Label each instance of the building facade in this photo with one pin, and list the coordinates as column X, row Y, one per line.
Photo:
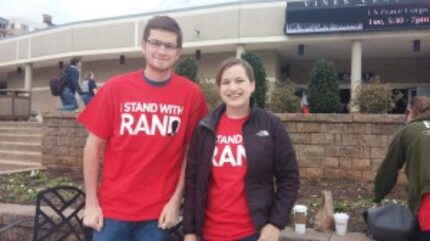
column 219, row 31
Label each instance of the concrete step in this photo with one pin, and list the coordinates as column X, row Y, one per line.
column 24, row 156
column 20, row 146
column 34, row 138
column 28, row 124
column 7, row 168
column 21, row 130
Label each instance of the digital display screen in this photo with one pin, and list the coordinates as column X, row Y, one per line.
column 325, row 16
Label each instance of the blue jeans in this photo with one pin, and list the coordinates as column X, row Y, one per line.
column 86, row 98
column 425, row 236
column 68, row 100
column 116, row 230
column 251, row 238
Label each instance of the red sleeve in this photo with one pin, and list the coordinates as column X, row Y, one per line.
column 97, row 117
column 199, row 109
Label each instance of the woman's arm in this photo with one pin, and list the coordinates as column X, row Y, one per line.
column 190, row 184
column 286, row 176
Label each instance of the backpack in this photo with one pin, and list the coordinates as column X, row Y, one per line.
column 392, row 222
column 57, row 83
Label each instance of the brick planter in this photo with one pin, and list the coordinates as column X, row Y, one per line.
column 327, row 145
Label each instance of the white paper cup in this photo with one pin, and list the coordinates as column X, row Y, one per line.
column 300, row 228
column 300, row 213
column 341, row 223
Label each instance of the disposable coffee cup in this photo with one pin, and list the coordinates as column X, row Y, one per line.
column 341, row 223
column 300, row 213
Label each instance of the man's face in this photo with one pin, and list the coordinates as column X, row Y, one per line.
column 160, row 50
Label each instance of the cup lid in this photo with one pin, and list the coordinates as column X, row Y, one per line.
column 300, row 208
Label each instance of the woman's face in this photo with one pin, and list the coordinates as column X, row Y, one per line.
column 235, row 87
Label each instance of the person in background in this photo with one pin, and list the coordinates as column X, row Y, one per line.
column 89, row 87
column 71, row 86
column 242, row 177
column 410, row 147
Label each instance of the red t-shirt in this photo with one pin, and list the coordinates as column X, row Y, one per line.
column 227, row 216
column 146, row 129
column 424, row 213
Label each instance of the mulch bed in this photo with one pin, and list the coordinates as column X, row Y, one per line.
column 349, row 196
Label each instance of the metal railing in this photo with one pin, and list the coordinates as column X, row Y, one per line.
column 15, row 104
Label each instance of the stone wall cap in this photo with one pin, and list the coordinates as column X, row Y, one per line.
column 342, row 118
column 61, row 114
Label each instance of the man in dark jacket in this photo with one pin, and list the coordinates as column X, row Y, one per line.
column 71, row 86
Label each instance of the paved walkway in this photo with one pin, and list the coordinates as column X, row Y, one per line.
column 12, row 212
column 312, row 235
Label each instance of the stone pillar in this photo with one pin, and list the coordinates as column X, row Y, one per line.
column 356, row 57
column 240, row 49
column 28, row 77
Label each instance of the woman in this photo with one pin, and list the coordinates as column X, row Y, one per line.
column 410, row 146
column 89, row 88
column 238, row 155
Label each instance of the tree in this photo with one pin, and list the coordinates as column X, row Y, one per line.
column 188, row 68
column 323, row 88
column 260, row 77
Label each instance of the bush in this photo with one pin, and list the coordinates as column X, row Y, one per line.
column 210, row 91
column 188, row 68
column 284, row 98
column 376, row 97
column 323, row 88
column 260, row 77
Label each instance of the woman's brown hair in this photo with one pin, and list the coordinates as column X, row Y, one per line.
column 230, row 62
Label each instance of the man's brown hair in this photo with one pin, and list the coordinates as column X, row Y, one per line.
column 420, row 104
column 165, row 23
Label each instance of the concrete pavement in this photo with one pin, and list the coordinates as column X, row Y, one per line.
column 311, row 235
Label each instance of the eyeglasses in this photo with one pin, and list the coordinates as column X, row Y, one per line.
column 158, row 44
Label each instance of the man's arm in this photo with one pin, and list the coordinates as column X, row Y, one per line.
column 93, row 216
column 170, row 214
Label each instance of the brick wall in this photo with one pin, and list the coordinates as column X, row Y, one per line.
column 327, row 145
column 341, row 145
column 63, row 140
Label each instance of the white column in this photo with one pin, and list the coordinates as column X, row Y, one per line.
column 356, row 57
column 240, row 49
column 28, row 77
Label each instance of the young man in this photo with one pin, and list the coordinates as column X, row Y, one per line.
column 141, row 123
column 68, row 98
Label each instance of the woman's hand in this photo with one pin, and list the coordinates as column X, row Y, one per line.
column 190, row 237
column 269, row 233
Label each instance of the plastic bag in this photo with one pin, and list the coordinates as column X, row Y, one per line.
column 324, row 214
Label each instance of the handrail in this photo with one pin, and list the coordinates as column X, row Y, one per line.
column 15, row 104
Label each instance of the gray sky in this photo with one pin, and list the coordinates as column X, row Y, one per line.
column 66, row 11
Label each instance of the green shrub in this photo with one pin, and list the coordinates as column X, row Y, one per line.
column 188, row 68
column 284, row 98
column 376, row 97
column 210, row 90
column 341, row 207
column 323, row 88
column 260, row 77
